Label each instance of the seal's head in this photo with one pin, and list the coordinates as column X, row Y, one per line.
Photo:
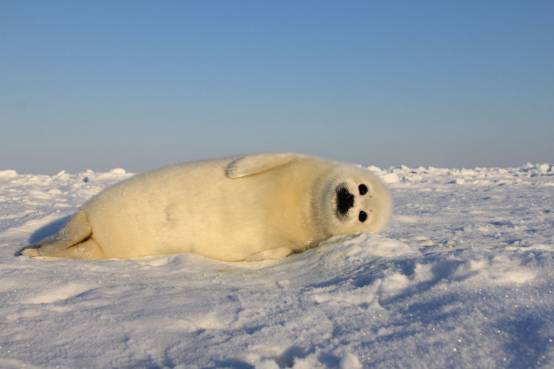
column 351, row 200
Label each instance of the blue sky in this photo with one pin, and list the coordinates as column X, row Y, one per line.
column 142, row 84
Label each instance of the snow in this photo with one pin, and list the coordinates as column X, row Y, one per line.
column 462, row 278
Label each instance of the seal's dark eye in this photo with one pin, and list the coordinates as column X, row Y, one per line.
column 362, row 216
column 363, row 189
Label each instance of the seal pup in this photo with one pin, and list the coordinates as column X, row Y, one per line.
column 254, row 207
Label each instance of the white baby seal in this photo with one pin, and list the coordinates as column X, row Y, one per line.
column 254, row 207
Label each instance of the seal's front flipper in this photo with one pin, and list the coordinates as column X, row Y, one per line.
column 255, row 164
column 76, row 231
column 273, row 254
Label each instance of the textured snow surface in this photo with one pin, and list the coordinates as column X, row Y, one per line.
column 462, row 278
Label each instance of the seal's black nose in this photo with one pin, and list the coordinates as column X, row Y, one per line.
column 345, row 200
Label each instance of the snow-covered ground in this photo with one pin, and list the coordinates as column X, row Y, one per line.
column 462, row 278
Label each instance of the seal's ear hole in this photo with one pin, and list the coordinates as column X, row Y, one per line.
column 362, row 216
column 362, row 189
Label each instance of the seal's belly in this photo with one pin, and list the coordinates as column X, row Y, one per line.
column 223, row 218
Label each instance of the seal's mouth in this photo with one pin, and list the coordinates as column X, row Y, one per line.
column 345, row 200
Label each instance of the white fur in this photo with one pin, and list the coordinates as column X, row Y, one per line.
column 255, row 207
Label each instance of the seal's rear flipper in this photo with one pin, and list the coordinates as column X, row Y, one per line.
column 254, row 164
column 76, row 231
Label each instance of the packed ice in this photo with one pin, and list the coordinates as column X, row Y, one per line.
column 461, row 278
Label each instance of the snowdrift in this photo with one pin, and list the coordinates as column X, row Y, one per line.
column 462, row 278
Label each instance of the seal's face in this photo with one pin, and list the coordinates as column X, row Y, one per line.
column 355, row 201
